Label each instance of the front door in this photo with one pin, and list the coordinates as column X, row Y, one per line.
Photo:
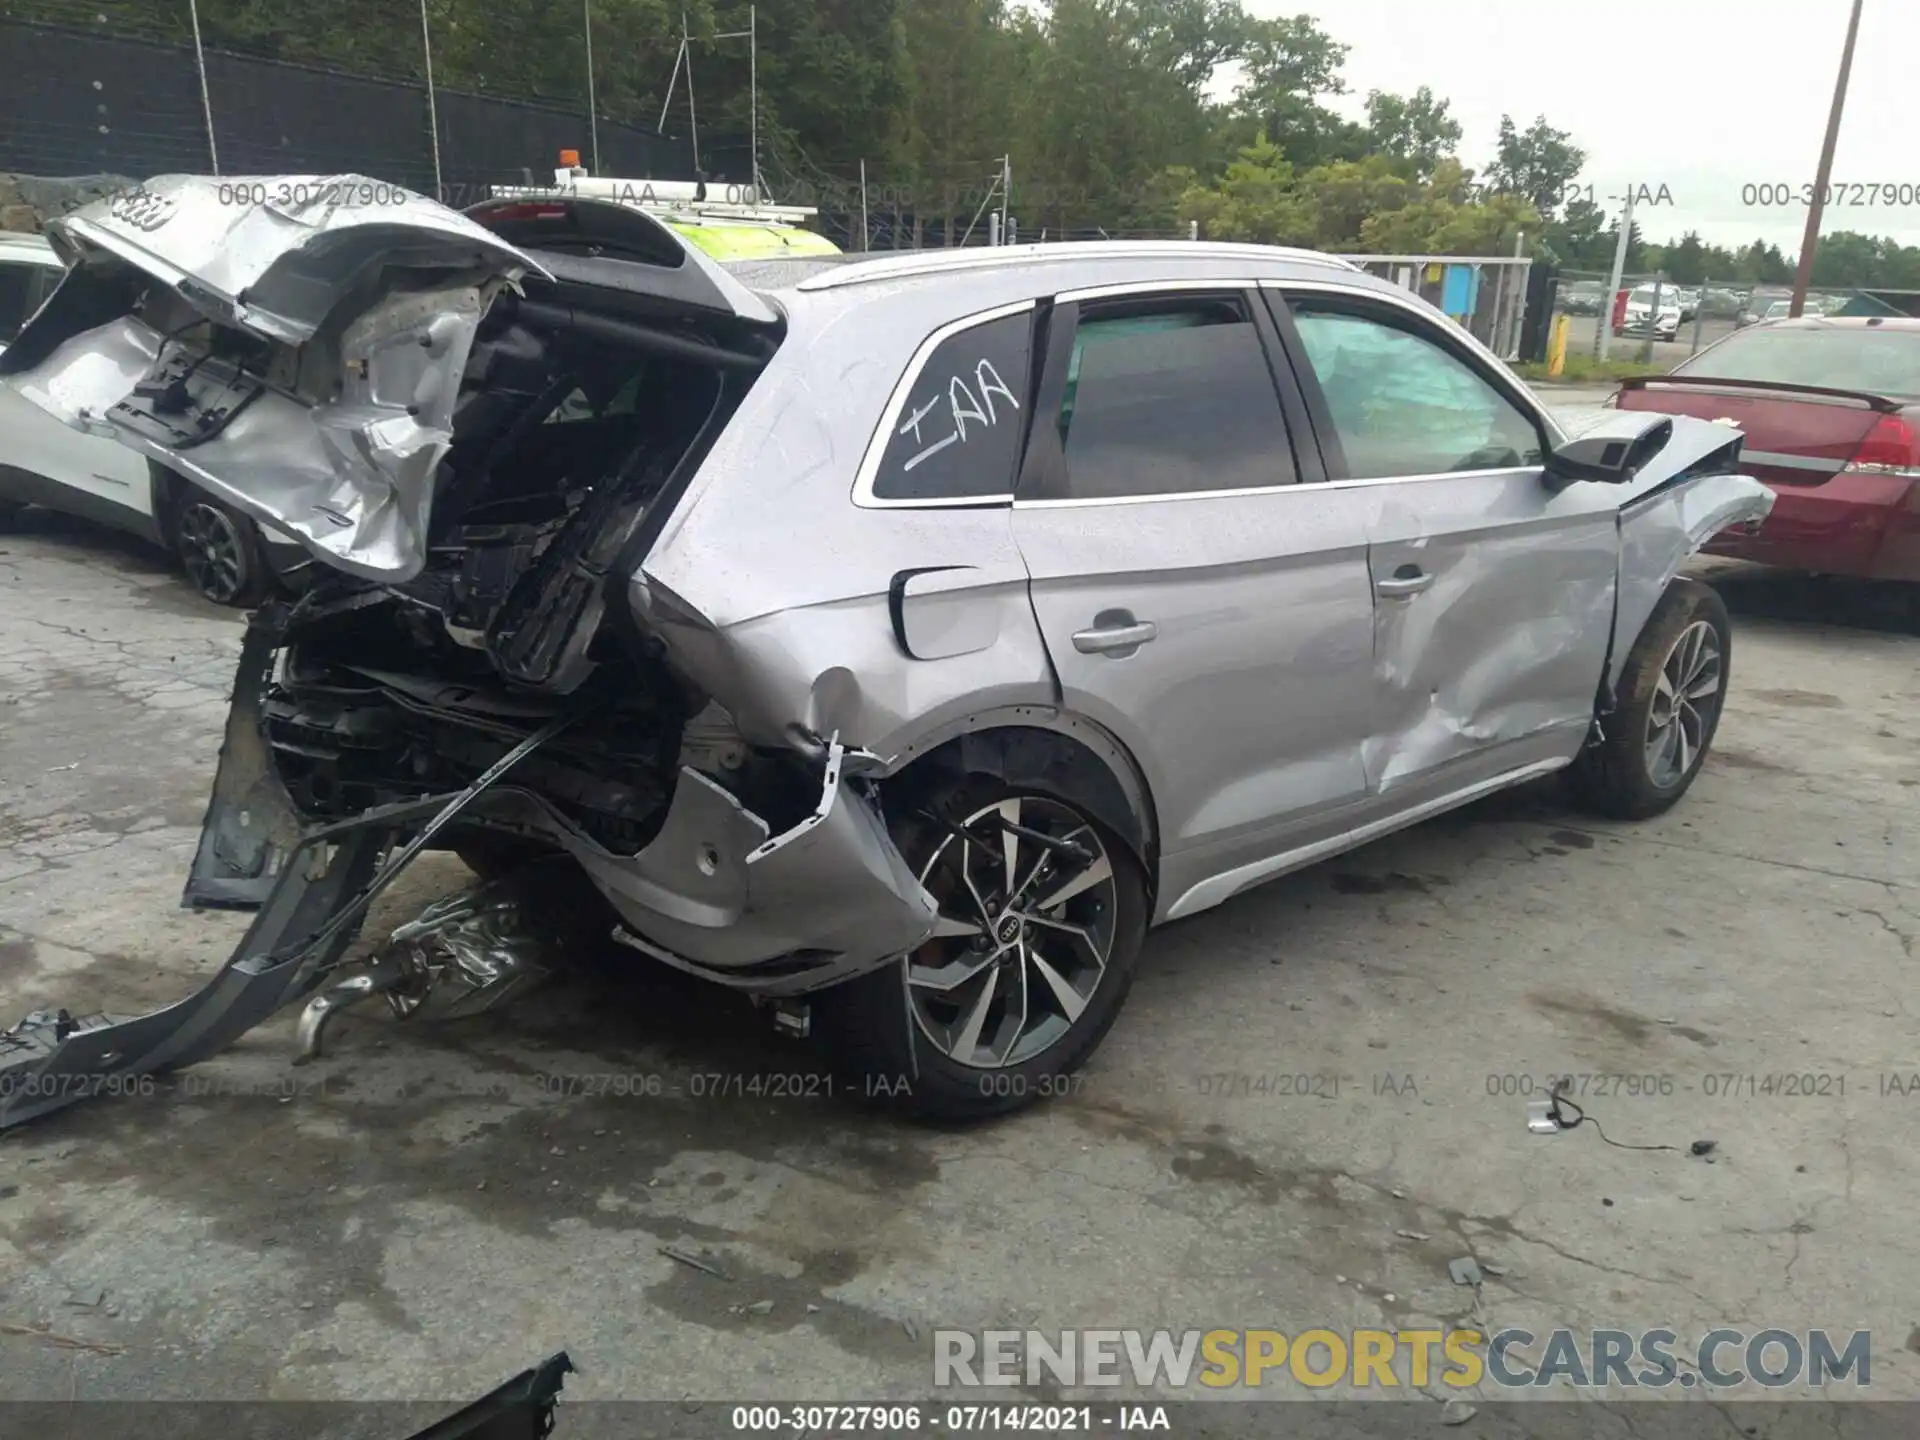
column 1493, row 597
column 1196, row 600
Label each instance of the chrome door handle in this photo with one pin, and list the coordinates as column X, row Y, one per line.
column 1114, row 638
column 1402, row 584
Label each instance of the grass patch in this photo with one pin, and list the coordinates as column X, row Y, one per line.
column 1585, row 370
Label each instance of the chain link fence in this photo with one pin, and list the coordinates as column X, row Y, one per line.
column 1656, row 320
column 409, row 91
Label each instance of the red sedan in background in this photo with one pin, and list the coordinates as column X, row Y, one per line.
column 1831, row 411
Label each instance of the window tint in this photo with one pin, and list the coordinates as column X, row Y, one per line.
column 958, row 436
column 1171, row 397
column 22, row 288
column 1403, row 405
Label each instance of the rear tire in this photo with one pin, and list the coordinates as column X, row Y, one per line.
column 1671, row 693
column 220, row 550
column 972, row 1025
column 10, row 512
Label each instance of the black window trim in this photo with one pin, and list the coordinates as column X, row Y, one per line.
column 1042, row 465
column 1400, row 315
column 902, row 395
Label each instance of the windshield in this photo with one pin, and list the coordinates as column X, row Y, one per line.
column 1875, row 359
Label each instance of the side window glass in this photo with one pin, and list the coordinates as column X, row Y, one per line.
column 1171, row 396
column 958, row 436
column 1404, row 405
column 21, row 292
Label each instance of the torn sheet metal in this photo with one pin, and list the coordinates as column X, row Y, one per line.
column 1660, row 532
column 717, row 894
column 367, row 299
column 275, row 254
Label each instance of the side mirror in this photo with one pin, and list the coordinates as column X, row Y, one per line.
column 1612, row 458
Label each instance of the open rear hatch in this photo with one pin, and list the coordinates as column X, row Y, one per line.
column 298, row 344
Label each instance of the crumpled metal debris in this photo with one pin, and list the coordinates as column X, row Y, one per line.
column 467, row 952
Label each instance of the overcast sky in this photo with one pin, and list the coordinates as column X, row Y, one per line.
column 1705, row 96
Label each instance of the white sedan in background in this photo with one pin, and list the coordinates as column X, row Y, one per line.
column 229, row 559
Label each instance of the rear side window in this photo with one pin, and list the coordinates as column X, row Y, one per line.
column 1171, row 396
column 958, row 435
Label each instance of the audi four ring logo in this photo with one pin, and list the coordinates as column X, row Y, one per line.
column 141, row 208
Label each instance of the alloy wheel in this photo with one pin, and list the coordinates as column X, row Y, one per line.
column 1686, row 699
column 1028, row 905
column 212, row 552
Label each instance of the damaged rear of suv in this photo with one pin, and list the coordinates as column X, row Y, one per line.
column 482, row 445
column 891, row 642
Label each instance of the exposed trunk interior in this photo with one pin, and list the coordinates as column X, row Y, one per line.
column 581, row 414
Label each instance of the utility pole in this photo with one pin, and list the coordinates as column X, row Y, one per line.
column 593, row 113
column 753, row 99
column 433, row 106
column 206, row 97
column 1811, row 240
column 1613, row 286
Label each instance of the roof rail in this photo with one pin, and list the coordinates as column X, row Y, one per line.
column 860, row 270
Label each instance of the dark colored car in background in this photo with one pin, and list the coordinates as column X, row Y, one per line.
column 1831, row 411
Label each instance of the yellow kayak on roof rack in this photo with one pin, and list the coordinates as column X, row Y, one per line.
column 750, row 240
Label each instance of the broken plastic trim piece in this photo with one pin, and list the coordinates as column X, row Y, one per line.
column 829, row 792
column 521, row 1409
column 49, row 1061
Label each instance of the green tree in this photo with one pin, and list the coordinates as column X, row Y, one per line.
column 1578, row 238
column 1537, row 163
column 1413, row 130
column 1256, row 200
column 1289, row 65
column 1345, row 194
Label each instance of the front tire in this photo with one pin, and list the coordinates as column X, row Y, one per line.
column 220, row 550
column 1671, row 693
column 1040, row 930
column 10, row 513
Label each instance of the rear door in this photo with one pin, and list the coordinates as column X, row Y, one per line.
column 1494, row 597
column 1197, row 600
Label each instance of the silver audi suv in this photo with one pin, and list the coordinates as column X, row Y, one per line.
column 897, row 640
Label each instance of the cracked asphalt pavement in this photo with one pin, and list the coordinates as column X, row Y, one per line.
column 1312, row 1102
